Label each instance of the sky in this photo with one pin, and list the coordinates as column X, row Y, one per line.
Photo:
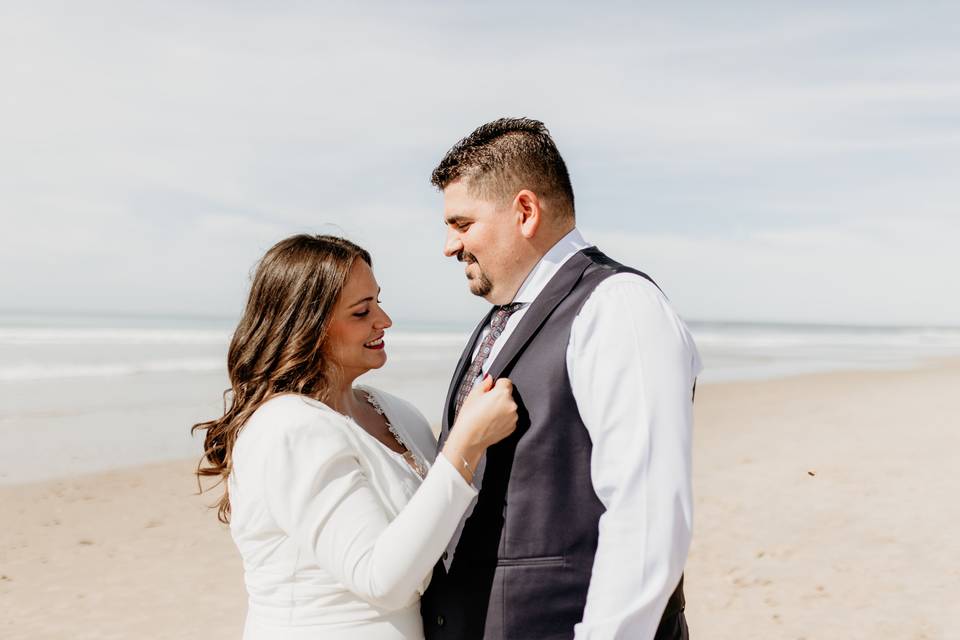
column 791, row 162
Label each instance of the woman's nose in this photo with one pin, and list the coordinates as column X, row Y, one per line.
column 384, row 321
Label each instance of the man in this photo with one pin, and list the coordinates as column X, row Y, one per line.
column 583, row 520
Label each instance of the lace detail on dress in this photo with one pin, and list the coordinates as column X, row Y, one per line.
column 408, row 455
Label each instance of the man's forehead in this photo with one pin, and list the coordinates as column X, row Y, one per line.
column 457, row 203
column 461, row 202
column 462, row 192
column 456, row 187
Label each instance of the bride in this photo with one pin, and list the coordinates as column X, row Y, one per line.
column 335, row 495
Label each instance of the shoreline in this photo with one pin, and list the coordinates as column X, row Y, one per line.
column 190, row 415
column 823, row 509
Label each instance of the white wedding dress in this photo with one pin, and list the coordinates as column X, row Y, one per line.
column 338, row 533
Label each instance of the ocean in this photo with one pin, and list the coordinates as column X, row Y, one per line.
column 82, row 393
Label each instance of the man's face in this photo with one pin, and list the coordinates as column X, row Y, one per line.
column 483, row 235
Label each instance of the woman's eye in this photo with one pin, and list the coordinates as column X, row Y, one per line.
column 361, row 314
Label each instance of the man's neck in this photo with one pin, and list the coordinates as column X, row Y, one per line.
column 541, row 246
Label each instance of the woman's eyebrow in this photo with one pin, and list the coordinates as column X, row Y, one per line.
column 367, row 299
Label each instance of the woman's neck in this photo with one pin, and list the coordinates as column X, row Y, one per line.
column 344, row 400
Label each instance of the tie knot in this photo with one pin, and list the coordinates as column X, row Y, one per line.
column 503, row 313
column 508, row 309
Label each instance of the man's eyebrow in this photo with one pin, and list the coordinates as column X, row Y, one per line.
column 367, row 299
column 455, row 220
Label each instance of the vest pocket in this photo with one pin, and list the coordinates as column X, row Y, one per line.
column 533, row 561
column 541, row 598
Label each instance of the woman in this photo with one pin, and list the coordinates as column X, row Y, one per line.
column 334, row 494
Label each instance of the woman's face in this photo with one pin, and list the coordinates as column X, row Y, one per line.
column 355, row 335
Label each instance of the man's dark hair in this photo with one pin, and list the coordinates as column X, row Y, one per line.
column 504, row 156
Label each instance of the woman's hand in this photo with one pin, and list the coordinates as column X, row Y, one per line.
column 488, row 415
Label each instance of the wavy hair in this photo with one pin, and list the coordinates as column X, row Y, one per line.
column 279, row 344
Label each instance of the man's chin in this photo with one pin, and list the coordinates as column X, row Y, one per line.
column 480, row 287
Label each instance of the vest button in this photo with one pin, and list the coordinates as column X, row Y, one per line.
column 445, row 555
column 440, row 621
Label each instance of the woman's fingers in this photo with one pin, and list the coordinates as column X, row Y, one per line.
column 486, row 383
column 481, row 387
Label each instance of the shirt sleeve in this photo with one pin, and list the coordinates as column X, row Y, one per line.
column 318, row 494
column 632, row 365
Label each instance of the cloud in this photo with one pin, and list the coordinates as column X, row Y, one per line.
column 866, row 273
column 153, row 151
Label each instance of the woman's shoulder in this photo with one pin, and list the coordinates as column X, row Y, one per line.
column 294, row 417
column 291, row 407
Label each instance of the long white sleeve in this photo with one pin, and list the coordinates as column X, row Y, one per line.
column 632, row 365
column 318, row 494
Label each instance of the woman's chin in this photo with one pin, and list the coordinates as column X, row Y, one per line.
column 377, row 359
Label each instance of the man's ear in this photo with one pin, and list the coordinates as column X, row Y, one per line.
column 527, row 207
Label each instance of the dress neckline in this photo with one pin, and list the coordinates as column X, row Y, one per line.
column 409, row 457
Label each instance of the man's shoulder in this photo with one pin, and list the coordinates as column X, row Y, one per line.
column 630, row 282
column 602, row 267
column 628, row 304
column 628, row 294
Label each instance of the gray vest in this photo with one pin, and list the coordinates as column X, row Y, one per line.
column 522, row 567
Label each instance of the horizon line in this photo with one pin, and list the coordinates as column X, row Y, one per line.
column 113, row 313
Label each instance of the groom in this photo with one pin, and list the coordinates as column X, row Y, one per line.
column 583, row 520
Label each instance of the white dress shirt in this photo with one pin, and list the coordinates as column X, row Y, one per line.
column 632, row 364
column 337, row 533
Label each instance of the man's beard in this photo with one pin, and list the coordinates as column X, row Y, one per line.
column 480, row 285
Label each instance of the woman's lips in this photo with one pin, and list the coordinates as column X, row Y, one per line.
column 375, row 344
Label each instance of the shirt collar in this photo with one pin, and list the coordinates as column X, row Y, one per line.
column 549, row 264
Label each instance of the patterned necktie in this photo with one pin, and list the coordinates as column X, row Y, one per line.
column 497, row 324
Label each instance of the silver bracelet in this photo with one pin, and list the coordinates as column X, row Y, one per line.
column 466, row 465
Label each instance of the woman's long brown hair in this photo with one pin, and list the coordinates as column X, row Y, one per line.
column 278, row 346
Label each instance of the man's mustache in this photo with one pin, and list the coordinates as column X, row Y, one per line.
column 466, row 256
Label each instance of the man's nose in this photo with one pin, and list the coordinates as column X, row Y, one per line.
column 452, row 246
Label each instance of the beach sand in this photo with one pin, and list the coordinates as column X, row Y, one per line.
column 826, row 507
